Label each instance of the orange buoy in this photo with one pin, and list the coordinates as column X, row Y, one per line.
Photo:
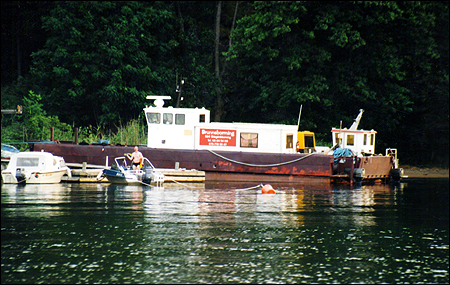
column 267, row 189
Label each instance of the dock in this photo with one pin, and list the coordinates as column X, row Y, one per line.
column 87, row 173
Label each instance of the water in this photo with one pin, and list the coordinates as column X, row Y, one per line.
column 318, row 233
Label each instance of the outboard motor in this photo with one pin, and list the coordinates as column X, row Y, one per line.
column 147, row 177
column 396, row 174
column 358, row 174
column 20, row 176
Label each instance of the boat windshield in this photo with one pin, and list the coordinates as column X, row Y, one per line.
column 147, row 163
column 121, row 162
column 28, row 161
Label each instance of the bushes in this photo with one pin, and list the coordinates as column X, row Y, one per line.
column 34, row 124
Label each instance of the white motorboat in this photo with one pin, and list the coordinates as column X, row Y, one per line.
column 35, row 167
column 121, row 173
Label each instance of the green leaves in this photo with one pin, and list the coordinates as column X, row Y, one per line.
column 99, row 53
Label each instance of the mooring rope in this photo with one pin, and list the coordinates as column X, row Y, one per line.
column 181, row 183
column 260, row 165
column 240, row 189
column 251, row 188
column 147, row 184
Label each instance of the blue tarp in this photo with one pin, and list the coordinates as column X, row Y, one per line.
column 8, row 150
column 340, row 152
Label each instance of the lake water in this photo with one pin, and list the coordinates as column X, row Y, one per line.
column 226, row 233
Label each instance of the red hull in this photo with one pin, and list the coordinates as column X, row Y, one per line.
column 316, row 165
column 233, row 166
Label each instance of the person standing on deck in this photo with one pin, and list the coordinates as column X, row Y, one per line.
column 136, row 159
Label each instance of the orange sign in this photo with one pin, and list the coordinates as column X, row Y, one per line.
column 216, row 137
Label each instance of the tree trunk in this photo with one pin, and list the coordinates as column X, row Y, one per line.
column 18, row 43
column 219, row 100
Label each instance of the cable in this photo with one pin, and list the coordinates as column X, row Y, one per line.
column 260, row 165
column 250, row 188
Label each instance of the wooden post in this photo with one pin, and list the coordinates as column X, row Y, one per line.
column 76, row 135
column 352, row 168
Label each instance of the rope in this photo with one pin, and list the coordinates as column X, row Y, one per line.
column 181, row 183
column 147, row 184
column 250, row 188
column 260, row 165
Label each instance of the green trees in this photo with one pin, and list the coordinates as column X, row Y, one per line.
column 97, row 64
column 34, row 123
column 338, row 57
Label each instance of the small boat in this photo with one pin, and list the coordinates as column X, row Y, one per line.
column 121, row 173
column 8, row 150
column 35, row 167
column 355, row 157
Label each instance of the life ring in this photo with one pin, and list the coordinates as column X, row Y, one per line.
column 297, row 147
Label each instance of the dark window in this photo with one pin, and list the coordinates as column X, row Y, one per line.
column 309, row 141
column 350, row 139
column 168, row 119
column 179, row 119
column 154, row 118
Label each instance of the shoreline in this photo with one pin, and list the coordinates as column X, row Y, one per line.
column 419, row 172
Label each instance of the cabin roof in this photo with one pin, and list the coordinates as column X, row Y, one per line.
column 333, row 130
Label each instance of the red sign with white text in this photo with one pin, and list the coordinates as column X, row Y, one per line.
column 216, row 137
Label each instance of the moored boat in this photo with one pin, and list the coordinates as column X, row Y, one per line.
column 186, row 138
column 355, row 157
column 121, row 173
column 35, row 167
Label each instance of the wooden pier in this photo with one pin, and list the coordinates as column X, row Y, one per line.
column 87, row 173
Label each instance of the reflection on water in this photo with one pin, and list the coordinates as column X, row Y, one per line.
column 306, row 233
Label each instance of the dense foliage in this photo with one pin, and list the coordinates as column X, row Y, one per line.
column 246, row 61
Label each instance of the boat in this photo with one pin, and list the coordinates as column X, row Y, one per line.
column 35, row 167
column 8, row 150
column 355, row 157
column 121, row 173
column 185, row 137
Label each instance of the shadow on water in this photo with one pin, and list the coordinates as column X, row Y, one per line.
column 227, row 233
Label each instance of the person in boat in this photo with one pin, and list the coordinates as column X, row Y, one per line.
column 136, row 159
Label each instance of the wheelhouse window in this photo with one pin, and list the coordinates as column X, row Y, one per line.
column 179, row 119
column 365, row 139
column 350, row 139
column 202, row 118
column 372, row 139
column 309, row 141
column 338, row 139
column 168, row 119
column 249, row 140
column 154, row 118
